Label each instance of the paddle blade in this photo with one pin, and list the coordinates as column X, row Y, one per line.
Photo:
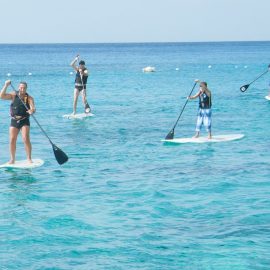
column 60, row 156
column 87, row 108
column 170, row 135
column 244, row 87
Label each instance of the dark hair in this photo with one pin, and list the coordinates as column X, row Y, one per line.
column 81, row 62
column 205, row 83
column 25, row 83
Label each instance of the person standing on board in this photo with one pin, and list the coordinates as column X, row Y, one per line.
column 80, row 84
column 204, row 113
column 269, row 87
column 19, row 117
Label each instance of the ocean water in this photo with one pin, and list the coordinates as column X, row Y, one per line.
column 125, row 200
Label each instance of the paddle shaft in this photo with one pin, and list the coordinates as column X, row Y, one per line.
column 184, row 106
column 82, row 81
column 83, row 85
column 33, row 117
column 258, row 77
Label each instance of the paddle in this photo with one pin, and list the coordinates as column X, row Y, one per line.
column 170, row 135
column 60, row 156
column 87, row 106
column 246, row 86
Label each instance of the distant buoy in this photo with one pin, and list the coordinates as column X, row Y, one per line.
column 29, row 73
column 9, row 74
column 71, row 73
column 209, row 66
column 149, row 69
column 177, row 69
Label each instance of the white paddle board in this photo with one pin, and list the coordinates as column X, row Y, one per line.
column 78, row 115
column 267, row 97
column 216, row 138
column 24, row 164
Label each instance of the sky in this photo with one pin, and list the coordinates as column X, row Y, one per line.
column 109, row 21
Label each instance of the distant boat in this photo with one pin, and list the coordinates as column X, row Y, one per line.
column 149, row 69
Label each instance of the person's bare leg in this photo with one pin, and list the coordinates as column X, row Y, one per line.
column 209, row 134
column 76, row 95
column 13, row 134
column 197, row 134
column 27, row 143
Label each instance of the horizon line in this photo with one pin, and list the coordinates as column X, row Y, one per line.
column 132, row 42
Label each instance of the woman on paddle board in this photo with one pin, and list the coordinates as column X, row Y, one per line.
column 269, row 89
column 19, row 117
column 204, row 113
column 80, row 84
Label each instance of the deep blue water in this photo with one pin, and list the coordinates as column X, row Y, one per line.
column 125, row 200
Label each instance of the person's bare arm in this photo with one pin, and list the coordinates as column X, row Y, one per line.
column 3, row 94
column 32, row 105
column 73, row 63
column 195, row 96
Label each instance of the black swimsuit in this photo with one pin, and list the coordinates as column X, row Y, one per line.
column 20, row 123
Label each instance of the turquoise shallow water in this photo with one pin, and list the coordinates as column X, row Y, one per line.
column 124, row 199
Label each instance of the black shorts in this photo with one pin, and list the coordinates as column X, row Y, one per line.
column 80, row 88
column 20, row 123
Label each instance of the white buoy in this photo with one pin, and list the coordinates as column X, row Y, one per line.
column 149, row 69
column 71, row 73
column 9, row 74
column 30, row 74
column 177, row 69
column 209, row 66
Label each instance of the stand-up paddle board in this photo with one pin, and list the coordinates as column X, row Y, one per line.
column 78, row 115
column 23, row 164
column 217, row 138
column 267, row 97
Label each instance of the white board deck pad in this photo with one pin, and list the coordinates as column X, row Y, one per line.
column 216, row 138
column 267, row 97
column 23, row 164
column 78, row 115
